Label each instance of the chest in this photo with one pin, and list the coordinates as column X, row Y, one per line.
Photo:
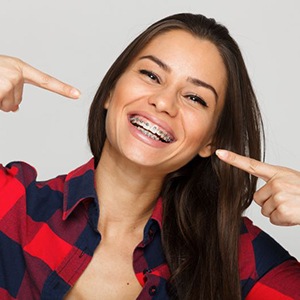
column 109, row 275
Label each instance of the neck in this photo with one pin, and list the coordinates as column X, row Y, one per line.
column 127, row 195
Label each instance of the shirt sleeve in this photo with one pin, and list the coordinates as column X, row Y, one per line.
column 267, row 270
column 281, row 282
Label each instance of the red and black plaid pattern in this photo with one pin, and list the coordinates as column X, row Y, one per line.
column 267, row 271
column 48, row 234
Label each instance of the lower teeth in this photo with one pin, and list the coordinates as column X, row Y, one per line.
column 152, row 135
column 147, row 133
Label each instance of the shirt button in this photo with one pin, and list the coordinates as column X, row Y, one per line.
column 152, row 290
column 147, row 271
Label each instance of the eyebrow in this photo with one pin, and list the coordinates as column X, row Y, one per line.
column 158, row 62
column 194, row 81
column 201, row 83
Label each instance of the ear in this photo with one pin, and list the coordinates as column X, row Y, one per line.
column 107, row 101
column 206, row 150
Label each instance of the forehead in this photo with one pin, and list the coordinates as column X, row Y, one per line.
column 182, row 44
column 188, row 55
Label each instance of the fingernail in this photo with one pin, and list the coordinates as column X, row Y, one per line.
column 222, row 153
column 75, row 93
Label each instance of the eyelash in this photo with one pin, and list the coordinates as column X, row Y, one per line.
column 197, row 99
column 151, row 75
column 193, row 98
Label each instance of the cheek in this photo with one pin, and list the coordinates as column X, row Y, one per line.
column 108, row 126
column 199, row 127
column 113, row 116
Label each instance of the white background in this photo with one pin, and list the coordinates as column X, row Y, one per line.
column 77, row 41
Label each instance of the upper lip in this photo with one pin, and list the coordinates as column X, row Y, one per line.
column 160, row 123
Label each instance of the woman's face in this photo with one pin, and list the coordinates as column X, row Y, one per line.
column 164, row 108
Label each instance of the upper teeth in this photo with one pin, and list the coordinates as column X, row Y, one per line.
column 154, row 129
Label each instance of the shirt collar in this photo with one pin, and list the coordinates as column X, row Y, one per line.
column 158, row 212
column 79, row 185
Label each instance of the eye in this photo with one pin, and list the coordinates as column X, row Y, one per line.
column 151, row 75
column 197, row 99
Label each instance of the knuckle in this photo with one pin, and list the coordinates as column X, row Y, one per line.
column 6, row 106
column 65, row 88
column 264, row 212
column 253, row 164
column 15, row 108
column 6, row 86
column 281, row 220
column 279, row 198
column 13, row 60
column 232, row 157
column 284, row 211
column 276, row 184
column 45, row 80
column 275, row 221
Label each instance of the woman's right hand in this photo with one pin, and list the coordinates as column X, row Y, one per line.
column 14, row 73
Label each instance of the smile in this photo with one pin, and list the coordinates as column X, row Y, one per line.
column 151, row 130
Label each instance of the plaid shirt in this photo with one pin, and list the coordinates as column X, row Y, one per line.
column 48, row 234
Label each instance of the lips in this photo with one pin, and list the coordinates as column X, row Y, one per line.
column 151, row 130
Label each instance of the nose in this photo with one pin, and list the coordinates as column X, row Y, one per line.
column 165, row 102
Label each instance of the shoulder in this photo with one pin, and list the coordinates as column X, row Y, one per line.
column 19, row 188
column 20, row 176
column 262, row 245
column 17, row 171
column 257, row 247
column 14, row 179
column 258, row 253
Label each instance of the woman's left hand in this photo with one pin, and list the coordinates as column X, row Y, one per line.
column 279, row 198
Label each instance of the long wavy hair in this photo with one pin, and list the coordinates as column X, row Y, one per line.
column 203, row 201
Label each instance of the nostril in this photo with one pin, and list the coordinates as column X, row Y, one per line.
column 164, row 105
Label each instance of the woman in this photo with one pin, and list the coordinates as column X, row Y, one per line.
column 155, row 195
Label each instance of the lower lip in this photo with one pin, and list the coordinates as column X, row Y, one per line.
column 145, row 139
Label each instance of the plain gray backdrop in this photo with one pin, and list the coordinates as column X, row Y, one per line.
column 76, row 41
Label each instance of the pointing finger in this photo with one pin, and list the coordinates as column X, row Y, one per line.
column 40, row 79
column 250, row 165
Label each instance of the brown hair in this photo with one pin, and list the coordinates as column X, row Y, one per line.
column 204, row 200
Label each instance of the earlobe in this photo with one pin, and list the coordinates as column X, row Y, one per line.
column 206, row 151
column 107, row 101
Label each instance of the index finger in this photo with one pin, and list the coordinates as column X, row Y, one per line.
column 34, row 76
column 250, row 165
